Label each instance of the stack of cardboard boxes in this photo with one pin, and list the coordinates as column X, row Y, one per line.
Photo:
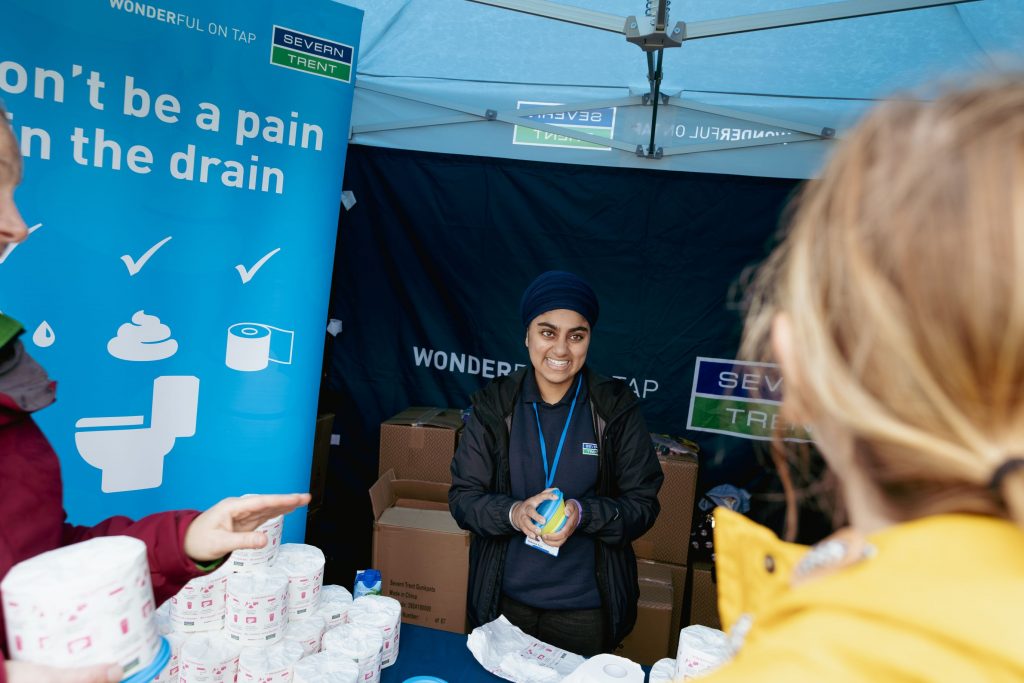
column 422, row 554
column 661, row 566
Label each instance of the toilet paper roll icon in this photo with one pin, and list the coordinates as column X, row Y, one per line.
column 253, row 346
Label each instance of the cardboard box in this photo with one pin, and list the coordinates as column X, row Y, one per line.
column 321, row 455
column 678, row 576
column 419, row 443
column 704, row 596
column 650, row 638
column 669, row 539
column 422, row 554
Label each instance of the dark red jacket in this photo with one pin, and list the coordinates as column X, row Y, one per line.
column 32, row 510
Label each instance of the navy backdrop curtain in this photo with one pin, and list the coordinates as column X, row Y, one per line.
column 433, row 257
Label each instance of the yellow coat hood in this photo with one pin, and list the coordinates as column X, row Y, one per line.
column 936, row 599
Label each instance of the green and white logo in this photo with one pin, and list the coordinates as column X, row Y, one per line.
column 312, row 54
column 599, row 122
column 589, row 449
column 741, row 399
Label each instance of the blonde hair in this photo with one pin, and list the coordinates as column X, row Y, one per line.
column 902, row 277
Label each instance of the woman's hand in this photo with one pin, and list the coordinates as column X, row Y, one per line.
column 231, row 524
column 524, row 513
column 24, row 672
column 572, row 520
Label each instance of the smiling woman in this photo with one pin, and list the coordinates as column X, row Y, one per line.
column 556, row 431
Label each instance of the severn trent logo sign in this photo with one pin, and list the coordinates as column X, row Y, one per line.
column 312, row 54
column 739, row 398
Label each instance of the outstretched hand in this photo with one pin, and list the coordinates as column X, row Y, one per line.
column 231, row 524
column 25, row 672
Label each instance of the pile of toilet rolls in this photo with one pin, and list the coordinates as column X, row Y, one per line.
column 265, row 616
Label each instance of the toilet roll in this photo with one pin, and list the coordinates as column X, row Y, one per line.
column 247, row 559
column 326, row 667
column 209, row 658
column 605, row 668
column 269, row 664
column 701, row 650
column 335, row 602
column 306, row 632
column 364, row 645
column 201, row 604
column 87, row 603
column 663, row 671
column 383, row 613
column 249, row 346
column 165, row 627
column 304, row 565
column 257, row 606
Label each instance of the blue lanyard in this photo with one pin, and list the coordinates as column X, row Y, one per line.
column 549, row 477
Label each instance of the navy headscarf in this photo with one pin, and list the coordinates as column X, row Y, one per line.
column 557, row 289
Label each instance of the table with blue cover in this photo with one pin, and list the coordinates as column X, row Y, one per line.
column 429, row 652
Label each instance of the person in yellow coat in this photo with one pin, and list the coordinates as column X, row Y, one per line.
column 895, row 308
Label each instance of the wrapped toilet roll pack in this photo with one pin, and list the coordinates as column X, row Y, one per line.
column 335, row 602
column 364, row 645
column 174, row 638
column 272, row 664
column 702, row 649
column 384, row 613
column 247, row 559
column 326, row 667
column 606, row 668
column 663, row 671
column 304, row 565
column 308, row 633
column 257, row 606
column 209, row 658
column 201, row 604
column 87, row 603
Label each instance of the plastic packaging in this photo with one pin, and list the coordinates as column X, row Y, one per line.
column 605, row 668
column 209, row 658
column 507, row 652
column 86, row 603
column 272, row 664
column 361, row 644
column 335, row 602
column 385, row 614
column 306, row 632
column 245, row 560
column 257, row 610
column 702, row 649
column 304, row 565
column 326, row 667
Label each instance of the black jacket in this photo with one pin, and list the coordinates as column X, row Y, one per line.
column 626, row 504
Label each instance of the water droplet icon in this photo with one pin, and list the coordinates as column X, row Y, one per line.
column 44, row 336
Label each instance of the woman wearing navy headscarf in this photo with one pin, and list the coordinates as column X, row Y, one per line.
column 556, row 424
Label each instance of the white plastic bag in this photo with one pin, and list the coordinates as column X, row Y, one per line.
column 507, row 652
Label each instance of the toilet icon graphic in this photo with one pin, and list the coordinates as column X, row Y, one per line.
column 131, row 454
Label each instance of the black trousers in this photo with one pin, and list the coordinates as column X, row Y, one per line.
column 577, row 630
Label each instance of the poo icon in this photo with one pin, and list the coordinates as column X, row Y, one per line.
column 131, row 454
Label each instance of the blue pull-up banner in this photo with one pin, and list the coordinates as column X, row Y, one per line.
column 182, row 179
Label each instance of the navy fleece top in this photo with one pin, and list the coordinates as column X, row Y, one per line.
column 533, row 577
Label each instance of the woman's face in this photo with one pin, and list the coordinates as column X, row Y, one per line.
column 558, row 341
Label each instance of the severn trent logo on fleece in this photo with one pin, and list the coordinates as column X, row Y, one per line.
column 312, row 54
